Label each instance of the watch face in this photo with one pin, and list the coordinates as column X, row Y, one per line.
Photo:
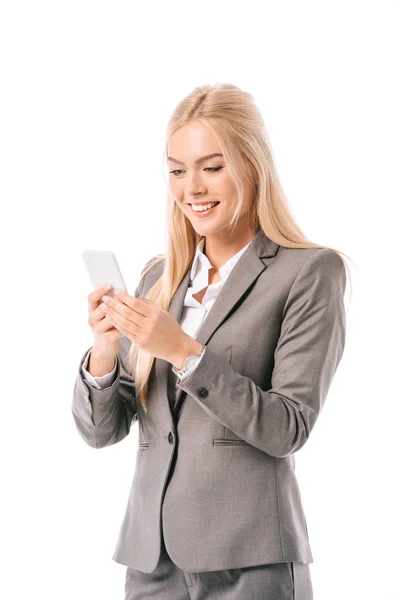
column 189, row 362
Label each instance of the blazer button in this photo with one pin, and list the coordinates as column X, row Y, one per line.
column 170, row 438
column 202, row 392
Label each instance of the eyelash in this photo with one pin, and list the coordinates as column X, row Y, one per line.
column 212, row 169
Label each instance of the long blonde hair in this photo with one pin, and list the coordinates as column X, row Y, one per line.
column 237, row 124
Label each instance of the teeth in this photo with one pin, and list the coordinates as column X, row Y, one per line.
column 202, row 207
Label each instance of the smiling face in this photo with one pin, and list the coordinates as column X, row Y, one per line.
column 194, row 179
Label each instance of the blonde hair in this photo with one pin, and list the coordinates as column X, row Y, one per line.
column 237, row 124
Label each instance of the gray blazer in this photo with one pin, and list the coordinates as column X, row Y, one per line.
column 215, row 464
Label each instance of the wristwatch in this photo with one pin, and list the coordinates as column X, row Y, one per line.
column 189, row 362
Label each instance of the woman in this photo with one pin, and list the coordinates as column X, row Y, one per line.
column 233, row 336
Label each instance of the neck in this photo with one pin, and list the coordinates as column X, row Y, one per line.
column 221, row 246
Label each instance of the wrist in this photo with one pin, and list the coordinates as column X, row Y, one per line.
column 100, row 353
column 189, row 347
column 100, row 364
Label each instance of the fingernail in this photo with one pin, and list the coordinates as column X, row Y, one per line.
column 107, row 287
column 116, row 291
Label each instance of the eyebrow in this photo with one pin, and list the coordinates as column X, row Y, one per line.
column 199, row 160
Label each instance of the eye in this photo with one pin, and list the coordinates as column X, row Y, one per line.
column 211, row 169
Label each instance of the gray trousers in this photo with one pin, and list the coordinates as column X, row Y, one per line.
column 275, row 581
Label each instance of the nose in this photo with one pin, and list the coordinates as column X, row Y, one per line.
column 194, row 186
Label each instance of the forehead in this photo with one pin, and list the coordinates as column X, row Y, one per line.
column 192, row 140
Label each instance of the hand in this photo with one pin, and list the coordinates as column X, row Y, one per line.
column 106, row 336
column 147, row 325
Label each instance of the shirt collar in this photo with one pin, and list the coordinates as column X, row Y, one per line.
column 201, row 259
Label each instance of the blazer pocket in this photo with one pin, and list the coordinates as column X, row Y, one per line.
column 230, row 442
column 144, row 446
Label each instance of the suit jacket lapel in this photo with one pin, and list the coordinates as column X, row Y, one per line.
column 242, row 276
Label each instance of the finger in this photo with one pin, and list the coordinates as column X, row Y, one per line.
column 96, row 315
column 111, row 335
column 126, row 315
column 139, row 305
column 94, row 298
column 104, row 325
column 119, row 321
column 127, row 326
column 127, row 332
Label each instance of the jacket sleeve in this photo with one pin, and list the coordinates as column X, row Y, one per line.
column 97, row 381
column 104, row 416
column 279, row 421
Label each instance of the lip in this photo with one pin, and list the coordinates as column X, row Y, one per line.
column 203, row 215
column 201, row 203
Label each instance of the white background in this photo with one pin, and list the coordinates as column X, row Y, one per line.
column 87, row 89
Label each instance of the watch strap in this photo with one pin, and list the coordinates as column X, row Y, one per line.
column 185, row 367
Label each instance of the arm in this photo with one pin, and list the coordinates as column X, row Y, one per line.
column 97, row 381
column 103, row 415
column 279, row 421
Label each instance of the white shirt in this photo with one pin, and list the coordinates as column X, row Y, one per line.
column 193, row 312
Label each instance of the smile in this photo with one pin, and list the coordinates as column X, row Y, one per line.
column 203, row 213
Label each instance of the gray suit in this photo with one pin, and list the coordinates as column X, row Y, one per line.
column 215, row 462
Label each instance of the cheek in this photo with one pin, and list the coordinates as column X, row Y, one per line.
column 176, row 187
column 226, row 187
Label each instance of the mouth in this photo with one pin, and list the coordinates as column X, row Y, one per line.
column 204, row 213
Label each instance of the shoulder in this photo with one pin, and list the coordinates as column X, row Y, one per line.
column 299, row 261
column 318, row 277
column 308, row 274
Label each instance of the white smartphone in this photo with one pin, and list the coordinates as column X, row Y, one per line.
column 103, row 268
